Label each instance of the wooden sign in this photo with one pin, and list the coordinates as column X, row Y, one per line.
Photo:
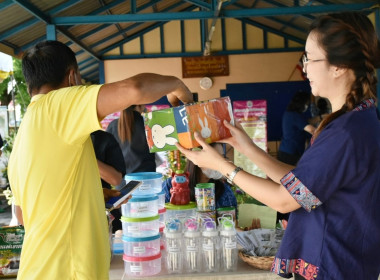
column 205, row 66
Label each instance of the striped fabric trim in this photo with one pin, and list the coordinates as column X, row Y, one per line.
column 365, row 104
column 284, row 267
column 300, row 192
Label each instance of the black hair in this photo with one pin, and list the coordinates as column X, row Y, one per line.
column 47, row 63
column 195, row 174
column 298, row 102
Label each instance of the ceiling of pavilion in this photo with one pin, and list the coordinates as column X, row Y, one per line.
column 97, row 29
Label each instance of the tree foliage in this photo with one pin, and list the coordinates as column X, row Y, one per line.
column 20, row 91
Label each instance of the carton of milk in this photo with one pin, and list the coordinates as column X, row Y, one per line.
column 165, row 127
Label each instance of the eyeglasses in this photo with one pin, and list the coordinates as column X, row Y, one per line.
column 305, row 61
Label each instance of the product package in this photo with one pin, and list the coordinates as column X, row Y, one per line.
column 165, row 127
column 11, row 239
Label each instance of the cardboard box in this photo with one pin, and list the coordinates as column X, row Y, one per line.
column 165, row 127
column 11, row 240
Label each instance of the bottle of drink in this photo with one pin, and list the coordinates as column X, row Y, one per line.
column 192, row 247
column 228, row 242
column 210, row 246
column 173, row 238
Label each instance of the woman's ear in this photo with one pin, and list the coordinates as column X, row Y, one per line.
column 339, row 71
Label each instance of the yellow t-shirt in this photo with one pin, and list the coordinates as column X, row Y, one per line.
column 55, row 180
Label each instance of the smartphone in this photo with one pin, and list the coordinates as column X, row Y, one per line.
column 125, row 191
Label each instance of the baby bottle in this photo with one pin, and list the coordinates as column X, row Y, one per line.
column 192, row 246
column 173, row 238
column 228, row 244
column 210, row 246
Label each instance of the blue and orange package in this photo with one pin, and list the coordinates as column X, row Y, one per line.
column 167, row 126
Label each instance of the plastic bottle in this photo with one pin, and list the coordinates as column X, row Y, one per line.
column 210, row 247
column 229, row 245
column 173, row 238
column 192, row 247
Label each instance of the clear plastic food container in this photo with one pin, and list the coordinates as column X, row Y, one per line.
column 141, row 246
column 142, row 266
column 151, row 181
column 140, row 227
column 181, row 212
column 162, row 214
column 140, row 207
column 161, row 200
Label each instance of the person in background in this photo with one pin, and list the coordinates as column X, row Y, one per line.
column 224, row 196
column 295, row 129
column 319, row 110
column 333, row 194
column 111, row 168
column 129, row 131
column 53, row 172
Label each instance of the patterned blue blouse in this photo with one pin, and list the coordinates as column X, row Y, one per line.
column 336, row 232
column 227, row 199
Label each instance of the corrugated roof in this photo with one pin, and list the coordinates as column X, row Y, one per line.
column 92, row 28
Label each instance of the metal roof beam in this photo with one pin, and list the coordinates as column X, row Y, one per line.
column 223, row 52
column 208, row 14
column 29, row 23
column 5, row 4
column 106, row 7
column 272, row 30
column 147, row 17
column 88, row 66
column 132, row 37
column 200, row 4
column 136, row 25
column 91, row 72
column 277, row 4
column 286, row 24
column 108, row 11
column 34, row 11
column 99, row 28
column 84, row 61
column 229, row 2
column 47, row 19
column 264, row 12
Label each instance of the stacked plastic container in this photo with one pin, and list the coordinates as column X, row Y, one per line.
column 200, row 247
column 141, row 226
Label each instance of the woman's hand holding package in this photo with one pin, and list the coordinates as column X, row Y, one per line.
column 207, row 157
column 240, row 140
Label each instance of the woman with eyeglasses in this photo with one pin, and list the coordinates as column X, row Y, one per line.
column 333, row 193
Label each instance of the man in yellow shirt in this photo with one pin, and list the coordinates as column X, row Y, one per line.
column 53, row 171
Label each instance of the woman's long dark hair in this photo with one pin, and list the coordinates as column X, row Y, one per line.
column 125, row 125
column 194, row 176
column 350, row 41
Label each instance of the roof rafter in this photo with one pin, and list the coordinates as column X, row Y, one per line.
column 48, row 20
column 29, row 23
column 262, row 12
